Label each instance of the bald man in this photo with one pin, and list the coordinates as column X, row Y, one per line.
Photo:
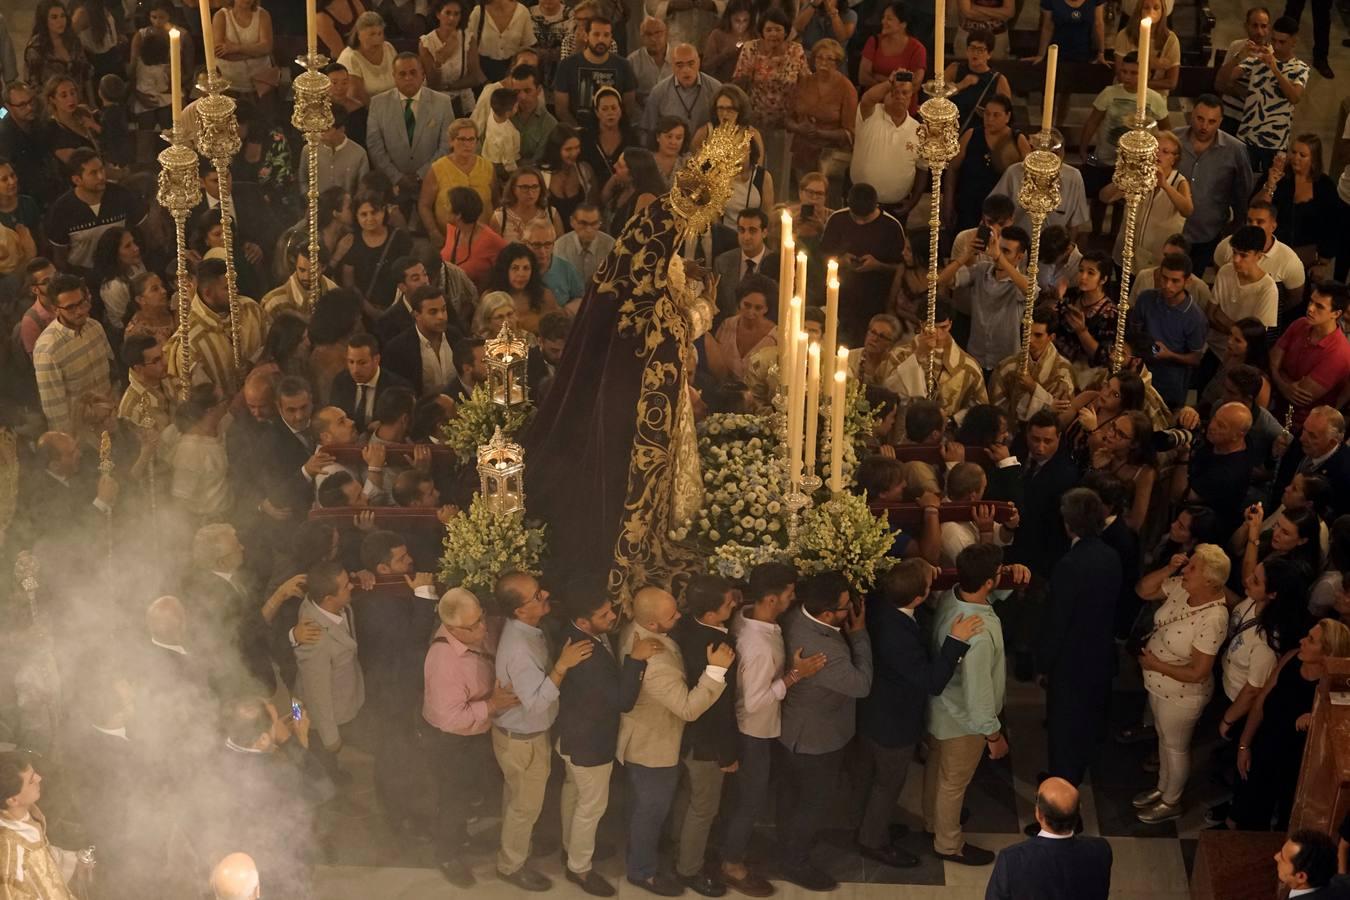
column 651, row 732
column 236, row 878
column 1221, row 467
column 1054, row 864
column 62, row 503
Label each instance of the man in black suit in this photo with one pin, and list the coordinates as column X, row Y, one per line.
column 1120, row 537
column 398, row 318
column 750, row 257
column 1077, row 652
column 1306, row 865
column 592, row 697
column 223, row 604
column 1054, row 864
column 356, row 389
column 393, row 622
column 470, row 366
column 293, row 457
column 421, row 354
column 891, row 716
column 1320, row 450
column 711, row 743
column 1040, row 539
column 247, row 439
column 59, row 507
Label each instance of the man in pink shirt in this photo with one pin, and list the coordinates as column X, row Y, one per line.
column 42, row 313
column 461, row 696
column 1311, row 361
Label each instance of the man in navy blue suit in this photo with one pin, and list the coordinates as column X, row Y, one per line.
column 1055, row 864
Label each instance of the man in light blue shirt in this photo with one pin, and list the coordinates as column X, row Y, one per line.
column 520, row 734
column 560, row 276
column 964, row 719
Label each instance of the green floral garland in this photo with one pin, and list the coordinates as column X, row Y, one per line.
column 478, row 418
column 480, row 545
column 843, row 535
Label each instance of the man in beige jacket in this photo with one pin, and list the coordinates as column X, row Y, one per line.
column 650, row 733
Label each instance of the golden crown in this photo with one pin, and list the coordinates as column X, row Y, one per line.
column 702, row 186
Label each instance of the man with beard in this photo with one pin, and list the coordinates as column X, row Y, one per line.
column 209, row 333
column 580, row 75
column 590, row 701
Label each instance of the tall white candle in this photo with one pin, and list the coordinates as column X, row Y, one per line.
column 800, row 288
column 840, row 387
column 1141, row 97
column 786, row 252
column 831, row 319
column 939, row 38
column 176, row 73
column 208, row 37
column 796, row 396
column 1048, row 108
column 312, row 27
column 812, row 404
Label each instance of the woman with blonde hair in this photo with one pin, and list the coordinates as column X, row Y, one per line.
column 463, row 166
column 1271, row 746
column 1177, row 659
column 1164, row 64
column 70, row 123
column 369, row 58
column 1163, row 214
column 495, row 309
column 1304, row 199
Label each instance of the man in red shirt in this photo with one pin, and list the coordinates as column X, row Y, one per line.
column 1312, row 358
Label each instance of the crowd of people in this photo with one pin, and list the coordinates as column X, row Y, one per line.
column 261, row 492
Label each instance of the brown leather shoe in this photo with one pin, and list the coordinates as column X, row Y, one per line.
column 751, row 885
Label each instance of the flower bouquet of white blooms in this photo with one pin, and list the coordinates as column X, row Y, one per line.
column 478, row 418
column 843, row 535
column 480, row 545
column 740, row 483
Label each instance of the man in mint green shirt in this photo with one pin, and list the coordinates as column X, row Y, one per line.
column 964, row 719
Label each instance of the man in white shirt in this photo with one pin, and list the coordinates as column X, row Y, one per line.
column 1241, row 290
column 585, row 246
column 762, row 681
column 1280, row 261
column 966, row 483
column 886, row 146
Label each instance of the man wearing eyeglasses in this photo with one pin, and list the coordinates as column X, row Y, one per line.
column 71, row 358
column 560, row 276
column 23, row 140
column 586, row 245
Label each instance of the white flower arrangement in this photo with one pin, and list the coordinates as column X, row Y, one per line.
column 480, row 545
column 477, row 418
column 734, row 561
column 741, row 508
column 843, row 535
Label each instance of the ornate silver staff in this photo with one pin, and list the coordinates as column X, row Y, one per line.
column 939, row 136
column 146, row 420
column 218, row 140
column 105, row 467
column 312, row 116
column 1039, row 196
column 180, row 191
column 1137, row 176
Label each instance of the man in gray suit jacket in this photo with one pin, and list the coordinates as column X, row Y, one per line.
column 330, row 680
column 409, row 127
column 752, row 257
column 818, row 714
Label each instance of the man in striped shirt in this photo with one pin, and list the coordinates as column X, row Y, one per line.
column 71, row 357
